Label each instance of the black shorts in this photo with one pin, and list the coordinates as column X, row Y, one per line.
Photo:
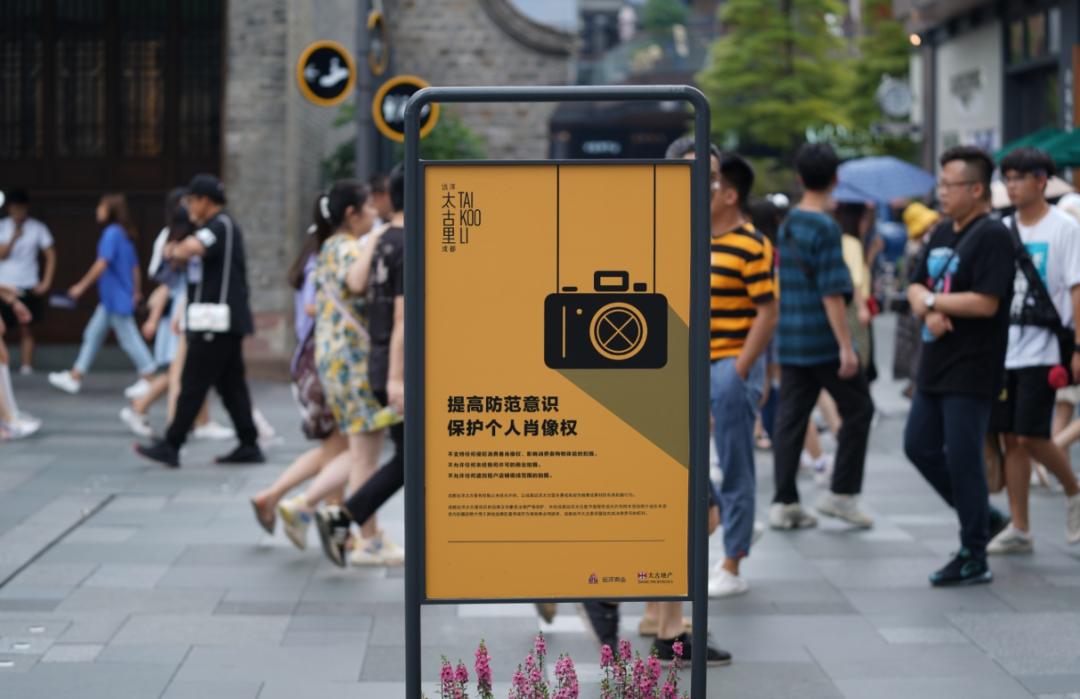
column 1025, row 405
column 36, row 305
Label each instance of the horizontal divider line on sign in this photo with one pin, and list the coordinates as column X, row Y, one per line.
column 556, row 541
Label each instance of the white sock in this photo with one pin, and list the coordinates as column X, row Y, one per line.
column 5, row 390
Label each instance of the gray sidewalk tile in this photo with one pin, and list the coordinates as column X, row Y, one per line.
column 272, row 663
column 72, row 653
column 196, row 629
column 212, row 689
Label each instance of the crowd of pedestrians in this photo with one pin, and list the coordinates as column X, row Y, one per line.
column 987, row 329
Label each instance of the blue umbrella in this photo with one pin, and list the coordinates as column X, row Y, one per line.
column 846, row 193
column 884, row 178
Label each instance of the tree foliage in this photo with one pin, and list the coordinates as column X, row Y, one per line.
column 451, row 139
column 780, row 68
column 883, row 50
column 660, row 15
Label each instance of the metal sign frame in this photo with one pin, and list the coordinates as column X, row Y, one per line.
column 415, row 531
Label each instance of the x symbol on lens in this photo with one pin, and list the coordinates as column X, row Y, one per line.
column 618, row 331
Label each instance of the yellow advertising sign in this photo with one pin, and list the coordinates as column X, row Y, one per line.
column 557, row 409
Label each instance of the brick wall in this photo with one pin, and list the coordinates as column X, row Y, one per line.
column 461, row 42
column 275, row 141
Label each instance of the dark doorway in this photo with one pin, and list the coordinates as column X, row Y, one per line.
column 105, row 96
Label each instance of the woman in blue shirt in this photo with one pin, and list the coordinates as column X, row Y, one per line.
column 116, row 271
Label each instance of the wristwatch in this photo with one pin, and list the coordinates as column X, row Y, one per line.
column 929, row 300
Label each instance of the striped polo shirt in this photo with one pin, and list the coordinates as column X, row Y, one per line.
column 742, row 277
column 804, row 336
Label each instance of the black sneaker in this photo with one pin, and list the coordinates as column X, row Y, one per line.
column 333, row 525
column 963, row 569
column 243, row 454
column 998, row 521
column 603, row 618
column 159, row 452
column 665, row 651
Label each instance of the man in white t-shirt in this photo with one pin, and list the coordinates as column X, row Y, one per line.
column 1024, row 410
column 22, row 240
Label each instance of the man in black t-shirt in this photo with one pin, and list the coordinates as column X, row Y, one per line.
column 961, row 291
column 386, row 372
column 217, row 278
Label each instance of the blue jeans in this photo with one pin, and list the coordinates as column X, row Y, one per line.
column 944, row 439
column 127, row 334
column 734, row 405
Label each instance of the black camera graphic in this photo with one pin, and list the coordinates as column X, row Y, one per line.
column 614, row 328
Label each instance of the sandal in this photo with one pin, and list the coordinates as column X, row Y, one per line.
column 266, row 520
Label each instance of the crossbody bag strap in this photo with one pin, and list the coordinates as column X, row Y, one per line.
column 227, row 265
column 1035, row 282
column 228, row 258
column 803, row 264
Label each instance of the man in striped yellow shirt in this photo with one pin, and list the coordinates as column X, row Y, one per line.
column 744, row 313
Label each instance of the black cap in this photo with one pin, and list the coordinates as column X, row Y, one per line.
column 206, row 185
column 18, row 196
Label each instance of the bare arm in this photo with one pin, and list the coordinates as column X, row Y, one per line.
column 757, row 340
column 155, row 305
column 185, row 249
column 91, row 276
column 836, row 312
column 967, row 304
column 395, row 379
column 50, row 271
column 915, row 295
column 6, row 248
column 356, row 278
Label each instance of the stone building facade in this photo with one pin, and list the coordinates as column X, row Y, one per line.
column 275, row 141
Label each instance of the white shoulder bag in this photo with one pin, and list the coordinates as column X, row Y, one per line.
column 213, row 317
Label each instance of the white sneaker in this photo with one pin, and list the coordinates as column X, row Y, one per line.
column 267, row 432
column 844, row 507
column 1072, row 521
column 137, row 390
column 295, row 519
column 213, row 432
column 724, row 584
column 26, row 370
column 136, row 422
column 379, row 550
column 20, row 428
column 1011, row 540
column 791, row 516
column 65, row 382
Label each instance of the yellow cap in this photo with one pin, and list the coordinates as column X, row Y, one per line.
column 919, row 218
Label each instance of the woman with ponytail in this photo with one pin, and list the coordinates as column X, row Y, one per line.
column 317, row 419
column 341, row 352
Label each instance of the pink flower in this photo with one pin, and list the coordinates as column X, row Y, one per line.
column 625, row 652
column 446, row 678
column 483, row 672
column 606, row 656
column 462, row 673
column 540, row 646
column 678, row 648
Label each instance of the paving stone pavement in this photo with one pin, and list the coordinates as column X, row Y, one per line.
column 150, row 583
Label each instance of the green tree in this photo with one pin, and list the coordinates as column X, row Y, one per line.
column 883, row 51
column 780, row 68
column 661, row 15
column 451, row 139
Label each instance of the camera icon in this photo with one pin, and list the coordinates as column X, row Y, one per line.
column 613, row 328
